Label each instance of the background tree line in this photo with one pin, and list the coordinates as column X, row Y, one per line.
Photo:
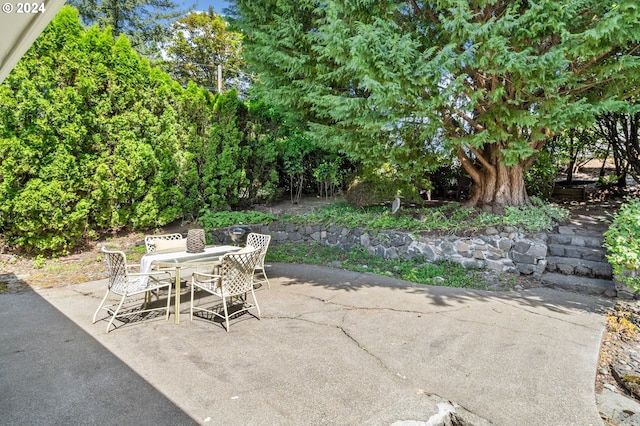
column 95, row 137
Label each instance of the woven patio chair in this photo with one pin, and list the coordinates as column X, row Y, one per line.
column 261, row 242
column 128, row 285
column 165, row 242
column 234, row 280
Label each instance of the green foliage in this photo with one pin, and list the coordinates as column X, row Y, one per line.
column 607, row 181
column 623, row 244
column 329, row 176
column 401, row 82
column 449, row 218
column 537, row 217
column 262, row 131
column 225, row 154
column 441, row 273
column 199, row 43
column 541, row 176
column 221, row 219
column 93, row 139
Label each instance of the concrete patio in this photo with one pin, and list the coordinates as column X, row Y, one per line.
column 333, row 347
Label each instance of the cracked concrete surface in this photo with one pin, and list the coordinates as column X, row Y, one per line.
column 339, row 347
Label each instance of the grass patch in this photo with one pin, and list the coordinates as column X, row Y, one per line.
column 448, row 274
column 222, row 219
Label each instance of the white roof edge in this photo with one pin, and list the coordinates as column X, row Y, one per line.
column 18, row 31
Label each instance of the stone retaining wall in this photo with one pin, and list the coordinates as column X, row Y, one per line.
column 501, row 249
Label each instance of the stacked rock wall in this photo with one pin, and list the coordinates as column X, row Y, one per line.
column 502, row 249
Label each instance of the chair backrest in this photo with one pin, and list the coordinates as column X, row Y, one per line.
column 236, row 270
column 261, row 242
column 117, row 267
column 150, row 240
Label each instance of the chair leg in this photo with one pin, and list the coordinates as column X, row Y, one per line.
column 116, row 312
column 100, row 306
column 168, row 302
column 255, row 302
column 262, row 276
column 191, row 309
column 264, row 273
column 226, row 314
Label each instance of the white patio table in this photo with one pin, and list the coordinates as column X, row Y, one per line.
column 181, row 259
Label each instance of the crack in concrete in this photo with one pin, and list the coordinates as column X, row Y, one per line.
column 373, row 308
column 346, row 333
column 445, row 312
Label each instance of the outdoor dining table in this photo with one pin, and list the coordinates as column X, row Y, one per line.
column 181, row 259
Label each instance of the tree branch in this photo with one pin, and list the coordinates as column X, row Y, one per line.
column 481, row 158
column 421, row 12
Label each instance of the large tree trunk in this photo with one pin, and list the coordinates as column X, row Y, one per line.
column 496, row 185
column 497, row 188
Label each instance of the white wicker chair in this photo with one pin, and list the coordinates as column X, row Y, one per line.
column 235, row 279
column 126, row 285
column 261, row 242
column 150, row 240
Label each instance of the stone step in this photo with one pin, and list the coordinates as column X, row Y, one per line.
column 585, row 229
column 598, row 254
column 584, row 285
column 581, row 267
column 579, row 240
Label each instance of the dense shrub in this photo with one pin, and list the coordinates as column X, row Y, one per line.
column 623, row 244
column 93, row 139
column 88, row 138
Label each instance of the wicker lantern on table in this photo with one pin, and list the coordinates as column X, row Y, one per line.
column 195, row 241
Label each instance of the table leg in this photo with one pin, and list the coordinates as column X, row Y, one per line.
column 177, row 298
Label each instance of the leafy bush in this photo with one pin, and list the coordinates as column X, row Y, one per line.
column 538, row 217
column 221, row 219
column 89, row 135
column 623, row 244
column 541, row 176
column 93, row 139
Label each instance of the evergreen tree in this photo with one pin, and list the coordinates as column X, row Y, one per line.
column 90, row 138
column 490, row 80
column 144, row 22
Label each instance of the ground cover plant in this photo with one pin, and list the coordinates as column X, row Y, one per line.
column 450, row 218
column 416, row 270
